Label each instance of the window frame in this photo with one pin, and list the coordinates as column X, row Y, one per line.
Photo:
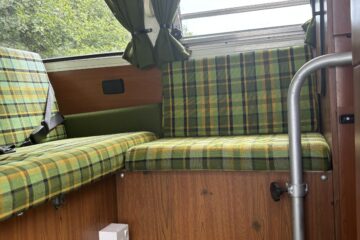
column 244, row 9
column 243, row 40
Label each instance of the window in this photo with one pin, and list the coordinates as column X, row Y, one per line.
column 59, row 28
column 203, row 17
column 213, row 27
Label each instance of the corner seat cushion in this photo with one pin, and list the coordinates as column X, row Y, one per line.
column 24, row 85
column 36, row 173
column 247, row 153
column 238, row 94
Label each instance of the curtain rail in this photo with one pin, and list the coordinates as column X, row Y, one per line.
column 242, row 9
column 297, row 189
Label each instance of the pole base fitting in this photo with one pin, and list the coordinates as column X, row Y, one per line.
column 297, row 190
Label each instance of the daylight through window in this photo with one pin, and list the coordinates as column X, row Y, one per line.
column 203, row 17
column 58, row 28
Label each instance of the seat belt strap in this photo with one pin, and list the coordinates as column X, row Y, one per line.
column 48, row 124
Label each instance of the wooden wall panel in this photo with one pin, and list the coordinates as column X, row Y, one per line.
column 355, row 30
column 357, row 142
column 341, row 17
column 344, row 165
column 338, row 101
column 85, row 212
column 355, row 26
column 219, row 205
column 80, row 91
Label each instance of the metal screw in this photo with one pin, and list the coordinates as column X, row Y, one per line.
column 122, row 175
column 19, row 214
column 323, row 177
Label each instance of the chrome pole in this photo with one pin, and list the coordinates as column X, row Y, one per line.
column 297, row 189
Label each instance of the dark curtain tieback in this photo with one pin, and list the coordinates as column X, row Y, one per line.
column 142, row 31
column 166, row 26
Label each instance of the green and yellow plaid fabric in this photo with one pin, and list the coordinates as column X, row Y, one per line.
column 245, row 153
column 239, row 94
column 39, row 172
column 23, row 93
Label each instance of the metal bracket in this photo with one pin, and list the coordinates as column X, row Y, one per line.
column 7, row 149
column 58, row 201
column 297, row 190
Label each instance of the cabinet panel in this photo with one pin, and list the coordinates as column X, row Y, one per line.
column 79, row 91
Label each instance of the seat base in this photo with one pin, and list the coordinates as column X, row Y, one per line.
column 219, row 205
column 82, row 215
column 37, row 173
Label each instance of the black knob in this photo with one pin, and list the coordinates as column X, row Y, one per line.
column 276, row 191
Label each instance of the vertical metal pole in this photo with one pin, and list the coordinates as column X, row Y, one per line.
column 297, row 189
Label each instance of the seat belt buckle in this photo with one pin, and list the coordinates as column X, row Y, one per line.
column 7, row 149
column 26, row 143
column 39, row 133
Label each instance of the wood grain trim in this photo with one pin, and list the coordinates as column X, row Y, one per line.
column 80, row 91
column 219, row 205
column 85, row 212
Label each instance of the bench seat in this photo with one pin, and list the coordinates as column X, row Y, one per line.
column 247, row 153
column 40, row 172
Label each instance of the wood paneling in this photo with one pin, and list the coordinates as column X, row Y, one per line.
column 219, row 205
column 338, row 101
column 343, row 158
column 341, row 17
column 357, row 142
column 355, row 28
column 80, row 91
column 345, row 139
column 85, row 212
column 346, row 170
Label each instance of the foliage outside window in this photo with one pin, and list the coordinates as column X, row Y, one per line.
column 58, row 28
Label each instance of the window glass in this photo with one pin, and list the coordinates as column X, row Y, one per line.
column 57, row 28
column 247, row 20
column 190, row 6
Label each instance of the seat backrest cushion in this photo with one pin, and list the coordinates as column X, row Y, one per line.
column 24, row 85
column 238, row 94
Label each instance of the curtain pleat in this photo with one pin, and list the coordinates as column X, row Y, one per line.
column 130, row 13
column 167, row 48
column 310, row 32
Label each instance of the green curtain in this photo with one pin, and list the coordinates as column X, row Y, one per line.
column 310, row 32
column 167, row 48
column 130, row 13
column 309, row 28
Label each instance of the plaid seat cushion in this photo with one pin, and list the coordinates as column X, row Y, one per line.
column 247, row 153
column 239, row 94
column 24, row 85
column 39, row 172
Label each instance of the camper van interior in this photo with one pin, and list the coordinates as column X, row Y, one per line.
column 179, row 119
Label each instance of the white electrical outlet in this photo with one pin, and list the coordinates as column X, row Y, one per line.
column 114, row 231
